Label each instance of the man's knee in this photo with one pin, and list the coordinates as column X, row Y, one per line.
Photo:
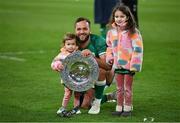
column 88, row 97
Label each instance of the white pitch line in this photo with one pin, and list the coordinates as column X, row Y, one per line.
column 24, row 52
column 12, row 58
column 5, row 55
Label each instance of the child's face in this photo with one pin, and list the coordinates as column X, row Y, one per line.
column 120, row 18
column 70, row 45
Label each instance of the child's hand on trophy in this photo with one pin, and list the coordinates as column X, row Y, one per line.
column 57, row 66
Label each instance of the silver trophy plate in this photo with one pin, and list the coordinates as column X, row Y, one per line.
column 79, row 73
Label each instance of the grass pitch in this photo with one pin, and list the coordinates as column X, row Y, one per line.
column 30, row 36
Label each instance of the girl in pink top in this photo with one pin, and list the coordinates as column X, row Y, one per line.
column 70, row 46
column 125, row 54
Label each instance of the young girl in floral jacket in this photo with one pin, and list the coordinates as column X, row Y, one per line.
column 125, row 54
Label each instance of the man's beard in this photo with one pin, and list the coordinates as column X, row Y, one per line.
column 83, row 41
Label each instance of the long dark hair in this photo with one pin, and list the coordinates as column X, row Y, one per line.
column 131, row 24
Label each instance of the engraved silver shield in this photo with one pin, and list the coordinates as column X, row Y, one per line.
column 79, row 73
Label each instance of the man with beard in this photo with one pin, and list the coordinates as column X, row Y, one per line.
column 95, row 45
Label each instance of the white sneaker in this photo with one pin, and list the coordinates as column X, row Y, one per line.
column 95, row 109
column 111, row 101
column 78, row 112
column 60, row 110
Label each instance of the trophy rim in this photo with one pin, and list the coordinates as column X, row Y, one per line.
column 69, row 82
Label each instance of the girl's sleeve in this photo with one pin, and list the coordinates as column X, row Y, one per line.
column 60, row 56
column 57, row 58
column 109, row 51
column 55, row 62
column 137, row 55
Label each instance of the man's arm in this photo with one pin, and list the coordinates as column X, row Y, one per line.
column 102, row 62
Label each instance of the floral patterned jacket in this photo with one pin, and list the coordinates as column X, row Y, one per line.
column 125, row 49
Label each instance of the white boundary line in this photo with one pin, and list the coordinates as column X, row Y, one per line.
column 6, row 55
column 25, row 52
column 12, row 58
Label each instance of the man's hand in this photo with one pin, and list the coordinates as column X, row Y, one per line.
column 110, row 62
column 86, row 53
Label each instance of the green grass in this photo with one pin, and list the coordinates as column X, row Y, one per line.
column 32, row 30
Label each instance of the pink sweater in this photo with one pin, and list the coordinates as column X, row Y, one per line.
column 125, row 49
